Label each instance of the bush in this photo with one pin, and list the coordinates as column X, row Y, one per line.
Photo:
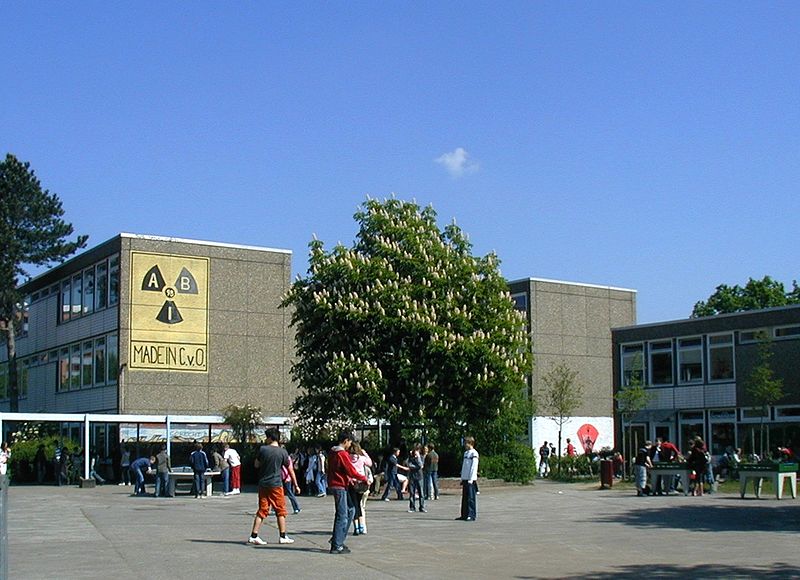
column 568, row 468
column 517, row 463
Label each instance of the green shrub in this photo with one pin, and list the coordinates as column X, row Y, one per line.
column 568, row 468
column 516, row 463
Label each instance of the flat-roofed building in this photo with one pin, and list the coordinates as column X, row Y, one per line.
column 571, row 322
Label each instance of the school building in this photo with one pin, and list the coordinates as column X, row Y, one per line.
column 571, row 322
column 148, row 325
column 697, row 371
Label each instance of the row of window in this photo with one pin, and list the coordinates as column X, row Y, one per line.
column 89, row 363
column 95, row 288
column 654, row 363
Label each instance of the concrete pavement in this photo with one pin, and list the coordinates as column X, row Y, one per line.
column 548, row 530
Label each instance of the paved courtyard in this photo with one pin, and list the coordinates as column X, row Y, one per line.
column 548, row 530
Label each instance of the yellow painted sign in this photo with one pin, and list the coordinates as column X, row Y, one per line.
column 169, row 312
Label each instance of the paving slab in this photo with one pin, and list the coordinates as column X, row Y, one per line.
column 547, row 530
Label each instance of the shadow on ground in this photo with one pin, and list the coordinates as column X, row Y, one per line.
column 715, row 571
column 710, row 518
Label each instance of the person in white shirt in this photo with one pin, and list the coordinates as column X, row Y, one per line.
column 469, row 480
column 230, row 455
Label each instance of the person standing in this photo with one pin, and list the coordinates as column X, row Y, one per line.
column 199, row 462
column 162, row 472
column 391, row 475
column 5, row 457
column 288, row 486
column 125, row 466
column 232, row 457
column 469, row 477
column 321, row 478
column 640, row 466
column 414, row 465
column 340, row 472
column 221, row 465
column 363, row 464
column 570, row 448
column 431, row 473
column 271, row 457
column 544, row 460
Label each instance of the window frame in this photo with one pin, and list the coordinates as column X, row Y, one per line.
column 710, row 347
column 652, row 349
column 683, row 349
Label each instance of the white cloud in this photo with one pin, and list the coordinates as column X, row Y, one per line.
column 458, row 162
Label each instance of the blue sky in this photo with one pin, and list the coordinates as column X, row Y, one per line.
column 653, row 146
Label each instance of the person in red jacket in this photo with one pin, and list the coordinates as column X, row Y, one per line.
column 340, row 472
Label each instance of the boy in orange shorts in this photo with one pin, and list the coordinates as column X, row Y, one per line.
column 271, row 457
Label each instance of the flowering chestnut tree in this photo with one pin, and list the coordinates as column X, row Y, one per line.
column 409, row 327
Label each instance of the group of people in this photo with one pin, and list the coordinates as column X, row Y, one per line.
column 697, row 459
column 348, row 479
column 420, row 477
column 224, row 459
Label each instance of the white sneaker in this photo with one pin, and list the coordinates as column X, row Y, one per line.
column 257, row 541
column 286, row 540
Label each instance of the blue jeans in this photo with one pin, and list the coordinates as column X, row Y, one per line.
column 431, row 482
column 162, row 483
column 199, row 483
column 392, row 481
column 321, row 483
column 139, row 488
column 345, row 510
column 414, row 488
column 226, row 480
column 288, row 491
column 469, row 504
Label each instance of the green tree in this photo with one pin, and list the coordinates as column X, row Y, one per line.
column 32, row 233
column 561, row 396
column 756, row 294
column 762, row 388
column 408, row 326
column 243, row 419
column 631, row 399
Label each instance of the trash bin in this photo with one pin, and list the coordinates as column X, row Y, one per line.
column 606, row 473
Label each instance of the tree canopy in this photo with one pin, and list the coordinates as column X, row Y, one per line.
column 756, row 294
column 32, row 233
column 408, row 326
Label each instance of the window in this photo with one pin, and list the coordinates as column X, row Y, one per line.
column 787, row 413
column 75, row 367
column 101, row 288
column 661, row 363
column 63, row 370
column 65, row 299
column 88, row 291
column 787, row 332
column 77, row 295
column 520, row 302
column 3, row 381
column 632, row 364
column 100, row 361
column 88, row 357
column 720, row 357
column 690, row 360
column 112, row 357
column 756, row 335
column 113, row 281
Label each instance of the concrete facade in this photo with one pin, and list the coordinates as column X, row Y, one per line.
column 571, row 323
column 79, row 351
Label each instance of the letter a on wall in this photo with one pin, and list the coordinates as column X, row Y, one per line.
column 169, row 323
